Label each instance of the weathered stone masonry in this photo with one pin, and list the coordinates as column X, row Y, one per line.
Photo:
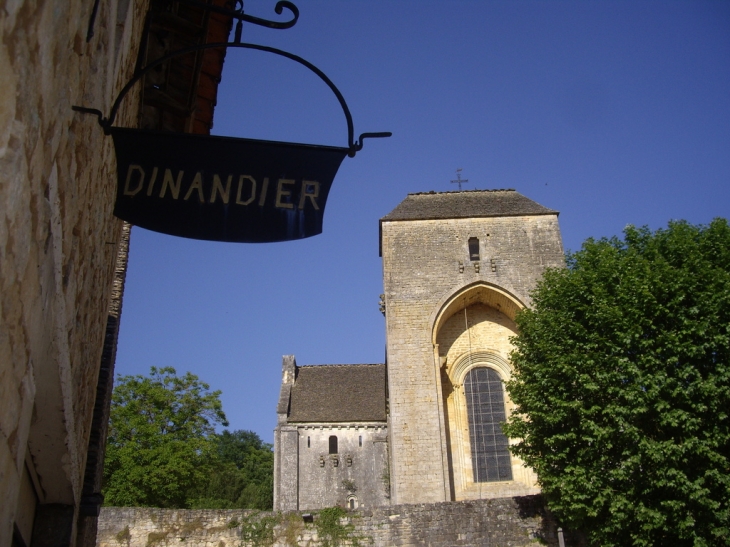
column 513, row 522
column 58, row 248
column 62, row 252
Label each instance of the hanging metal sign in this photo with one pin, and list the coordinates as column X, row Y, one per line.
column 220, row 188
column 224, row 188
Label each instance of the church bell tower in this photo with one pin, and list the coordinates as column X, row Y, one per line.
column 457, row 267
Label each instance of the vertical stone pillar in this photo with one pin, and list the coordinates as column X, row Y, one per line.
column 91, row 497
column 286, row 444
column 287, row 439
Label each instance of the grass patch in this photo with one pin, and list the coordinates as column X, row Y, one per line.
column 331, row 531
column 155, row 537
column 123, row 536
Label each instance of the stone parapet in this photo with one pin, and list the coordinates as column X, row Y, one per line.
column 514, row 522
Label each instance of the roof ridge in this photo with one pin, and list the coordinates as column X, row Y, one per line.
column 434, row 192
column 343, row 365
column 466, row 204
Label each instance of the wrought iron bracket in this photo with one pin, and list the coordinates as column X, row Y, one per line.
column 98, row 113
column 353, row 145
column 235, row 13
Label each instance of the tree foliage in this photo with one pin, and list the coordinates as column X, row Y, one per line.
column 163, row 451
column 622, row 387
column 161, row 439
column 244, row 476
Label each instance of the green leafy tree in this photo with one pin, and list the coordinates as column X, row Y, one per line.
column 161, row 446
column 244, row 476
column 622, row 387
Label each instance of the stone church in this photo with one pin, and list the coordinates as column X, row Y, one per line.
column 425, row 426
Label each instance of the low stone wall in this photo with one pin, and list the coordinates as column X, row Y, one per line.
column 511, row 522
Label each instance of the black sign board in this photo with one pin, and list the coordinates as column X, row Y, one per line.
column 222, row 188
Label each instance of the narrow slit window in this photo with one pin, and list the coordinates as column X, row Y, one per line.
column 308, row 443
column 359, row 441
column 473, row 249
column 333, row 444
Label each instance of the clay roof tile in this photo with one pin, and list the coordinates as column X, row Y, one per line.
column 466, row 204
column 338, row 393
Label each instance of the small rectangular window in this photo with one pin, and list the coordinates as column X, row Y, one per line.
column 474, row 249
column 333, row 444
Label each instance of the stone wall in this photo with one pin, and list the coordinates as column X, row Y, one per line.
column 357, row 474
column 513, row 522
column 428, row 275
column 58, row 245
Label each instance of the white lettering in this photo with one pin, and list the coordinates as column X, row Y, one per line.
column 240, row 186
column 280, row 193
column 173, row 185
column 310, row 189
column 140, row 181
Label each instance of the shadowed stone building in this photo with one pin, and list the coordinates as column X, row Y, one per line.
column 457, row 267
column 331, row 437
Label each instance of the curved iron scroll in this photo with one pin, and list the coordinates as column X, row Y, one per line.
column 238, row 13
column 353, row 145
column 233, row 13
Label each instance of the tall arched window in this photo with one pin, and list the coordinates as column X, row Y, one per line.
column 485, row 407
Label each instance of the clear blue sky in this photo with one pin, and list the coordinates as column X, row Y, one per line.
column 613, row 113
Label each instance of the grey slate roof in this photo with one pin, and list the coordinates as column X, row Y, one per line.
column 338, row 393
column 466, row 204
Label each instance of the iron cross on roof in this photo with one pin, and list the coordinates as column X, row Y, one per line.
column 459, row 180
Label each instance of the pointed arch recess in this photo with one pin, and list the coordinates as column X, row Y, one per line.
column 479, row 292
column 451, row 392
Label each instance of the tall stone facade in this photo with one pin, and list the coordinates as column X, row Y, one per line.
column 59, row 244
column 62, row 252
column 457, row 267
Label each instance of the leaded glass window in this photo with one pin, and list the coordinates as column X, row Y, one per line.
column 485, row 407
